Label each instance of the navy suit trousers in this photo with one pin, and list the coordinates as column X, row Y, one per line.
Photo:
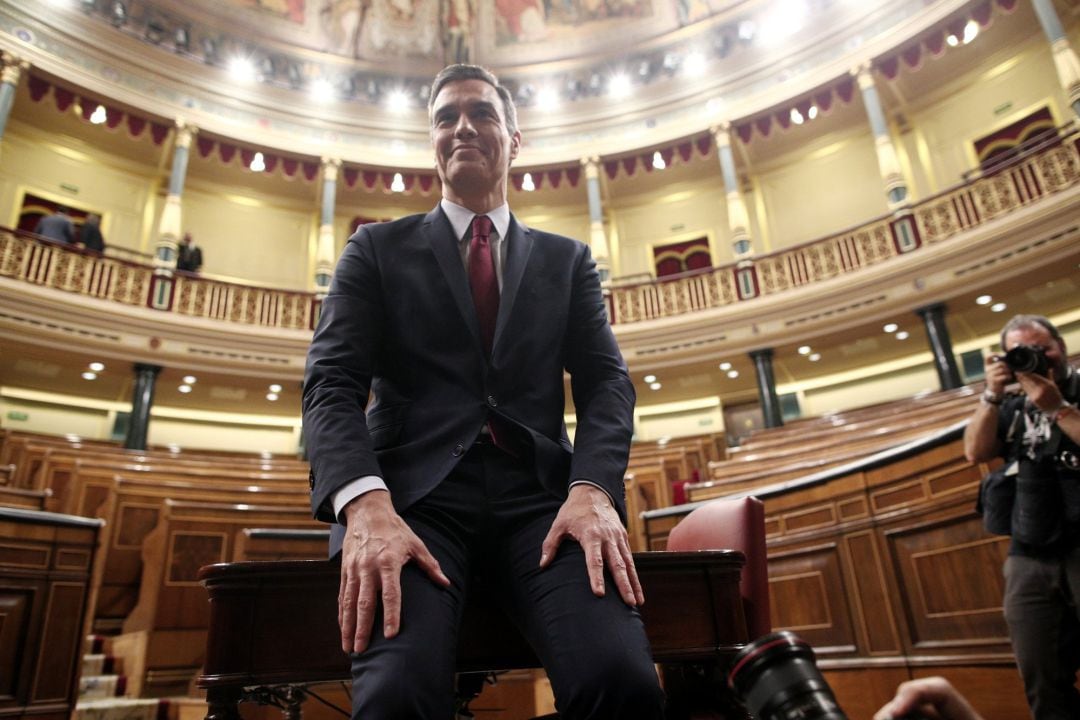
column 488, row 519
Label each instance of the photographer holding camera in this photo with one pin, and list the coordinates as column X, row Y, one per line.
column 1037, row 432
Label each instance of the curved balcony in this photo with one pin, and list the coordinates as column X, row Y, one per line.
column 1018, row 219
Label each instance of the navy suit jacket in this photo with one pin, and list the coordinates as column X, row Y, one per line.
column 399, row 322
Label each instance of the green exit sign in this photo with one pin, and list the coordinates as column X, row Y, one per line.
column 1003, row 108
column 16, row 415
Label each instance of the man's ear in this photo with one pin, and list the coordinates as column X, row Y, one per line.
column 515, row 144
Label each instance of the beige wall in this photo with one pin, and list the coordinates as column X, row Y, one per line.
column 215, row 436
column 69, row 171
column 830, row 184
column 55, row 419
column 971, row 107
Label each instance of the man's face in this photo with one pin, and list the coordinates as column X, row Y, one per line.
column 1038, row 336
column 473, row 147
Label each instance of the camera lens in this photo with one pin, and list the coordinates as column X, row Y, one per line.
column 777, row 679
column 1024, row 358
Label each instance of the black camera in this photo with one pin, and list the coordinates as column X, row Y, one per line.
column 777, row 679
column 1028, row 359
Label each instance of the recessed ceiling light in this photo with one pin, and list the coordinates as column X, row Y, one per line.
column 619, row 86
column 891, row 327
column 242, row 69
column 397, row 101
column 97, row 366
column 650, row 378
column 275, row 388
column 733, row 374
column 655, row 386
column 271, row 396
column 321, row 90
column 725, row 366
column 184, row 389
column 998, row 307
column 804, row 350
column 903, row 335
column 89, row 375
column 189, row 379
column 814, row 357
column 983, row 300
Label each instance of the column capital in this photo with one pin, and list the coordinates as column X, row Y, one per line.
column 185, row 132
column 330, row 168
column 721, row 133
column 862, row 73
column 14, row 66
column 592, row 166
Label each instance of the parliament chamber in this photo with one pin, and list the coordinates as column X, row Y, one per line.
column 811, row 219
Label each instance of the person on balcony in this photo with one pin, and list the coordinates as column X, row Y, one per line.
column 460, row 324
column 90, row 236
column 1037, row 432
column 57, row 226
column 189, row 256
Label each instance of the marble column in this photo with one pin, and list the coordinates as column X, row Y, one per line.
column 14, row 66
column 742, row 244
column 142, row 399
column 896, row 190
column 170, row 227
column 1065, row 59
column 324, row 252
column 766, row 383
column 941, row 346
column 597, row 237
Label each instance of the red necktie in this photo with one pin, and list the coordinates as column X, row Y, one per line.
column 482, row 279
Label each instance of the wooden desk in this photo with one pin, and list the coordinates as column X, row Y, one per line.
column 273, row 629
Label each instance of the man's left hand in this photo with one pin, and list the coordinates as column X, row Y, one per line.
column 588, row 517
column 1042, row 391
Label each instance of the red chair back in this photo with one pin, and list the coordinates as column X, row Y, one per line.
column 733, row 524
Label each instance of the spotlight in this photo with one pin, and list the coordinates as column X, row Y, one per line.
column 890, row 327
column 812, row 112
column 903, row 335
column 658, row 161
column 998, row 307
column 99, row 115
column 725, row 366
column 397, row 101
column 984, row 300
column 275, row 388
column 96, row 366
column 547, row 98
column 322, row 90
column 733, row 374
column 89, row 375
column 619, row 86
column 694, row 65
column 650, row 378
column 190, row 379
column 398, row 184
column 971, row 31
column 258, row 163
column 181, row 39
column 527, row 183
column 184, row 389
column 242, row 69
column 796, row 116
column 813, row 357
column 209, row 50
column 804, row 350
column 119, row 13
column 655, row 386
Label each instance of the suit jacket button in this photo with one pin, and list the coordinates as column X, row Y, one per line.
column 458, row 450
column 492, row 402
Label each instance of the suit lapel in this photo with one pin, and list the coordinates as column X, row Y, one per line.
column 518, row 244
column 440, row 238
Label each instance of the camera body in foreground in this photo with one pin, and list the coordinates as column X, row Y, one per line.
column 1028, row 359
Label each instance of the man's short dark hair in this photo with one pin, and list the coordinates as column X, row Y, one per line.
column 457, row 73
column 1019, row 322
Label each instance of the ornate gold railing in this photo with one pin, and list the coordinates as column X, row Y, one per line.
column 1050, row 170
column 1043, row 173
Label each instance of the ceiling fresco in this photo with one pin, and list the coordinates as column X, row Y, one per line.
column 495, row 32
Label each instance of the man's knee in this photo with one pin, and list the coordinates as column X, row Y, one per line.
column 397, row 685
column 627, row 689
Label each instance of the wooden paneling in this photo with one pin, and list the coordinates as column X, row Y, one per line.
column 45, row 569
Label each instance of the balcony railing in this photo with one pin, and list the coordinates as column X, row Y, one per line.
column 1024, row 181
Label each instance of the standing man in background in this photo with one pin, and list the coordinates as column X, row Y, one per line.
column 189, row 255
column 57, row 226
column 460, row 324
column 90, row 236
column 1037, row 432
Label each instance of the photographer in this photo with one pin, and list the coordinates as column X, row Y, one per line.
column 1037, row 432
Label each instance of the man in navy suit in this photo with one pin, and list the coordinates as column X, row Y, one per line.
column 459, row 326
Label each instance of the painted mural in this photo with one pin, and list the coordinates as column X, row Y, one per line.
column 291, row 10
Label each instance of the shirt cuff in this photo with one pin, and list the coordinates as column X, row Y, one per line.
column 354, row 489
column 598, row 487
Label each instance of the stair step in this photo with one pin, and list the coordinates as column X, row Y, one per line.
column 102, row 686
column 117, row 709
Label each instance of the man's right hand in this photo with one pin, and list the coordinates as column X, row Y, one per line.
column 377, row 545
column 998, row 374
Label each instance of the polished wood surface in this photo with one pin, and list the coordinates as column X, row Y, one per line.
column 45, row 567
column 275, row 623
